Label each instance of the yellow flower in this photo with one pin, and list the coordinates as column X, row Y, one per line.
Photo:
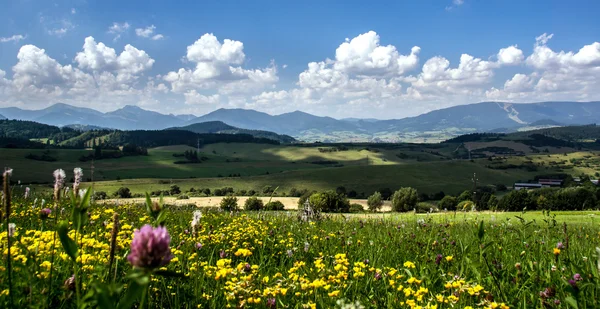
column 409, row 264
column 556, row 251
column 334, row 293
column 449, row 258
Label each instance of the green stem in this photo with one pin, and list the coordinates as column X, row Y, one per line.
column 144, row 293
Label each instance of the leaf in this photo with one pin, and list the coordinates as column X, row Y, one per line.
column 167, row 273
column 571, row 301
column 85, row 201
column 481, row 231
column 68, row 244
column 161, row 218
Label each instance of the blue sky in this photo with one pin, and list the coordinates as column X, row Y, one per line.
column 402, row 58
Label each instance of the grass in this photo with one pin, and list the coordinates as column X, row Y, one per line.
column 253, row 259
column 422, row 167
column 452, row 177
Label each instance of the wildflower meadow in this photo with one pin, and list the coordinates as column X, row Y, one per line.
column 66, row 251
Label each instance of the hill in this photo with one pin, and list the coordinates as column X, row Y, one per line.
column 435, row 126
column 2, row 117
column 221, row 127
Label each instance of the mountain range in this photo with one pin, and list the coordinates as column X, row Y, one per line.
column 478, row 117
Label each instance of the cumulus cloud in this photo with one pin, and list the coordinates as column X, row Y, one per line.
column 148, row 32
column 14, row 38
column 556, row 75
column 99, row 57
column 218, row 66
column 35, row 72
column 101, row 77
column 364, row 55
column 510, row 55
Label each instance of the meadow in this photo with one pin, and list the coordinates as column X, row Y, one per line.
column 64, row 251
column 365, row 169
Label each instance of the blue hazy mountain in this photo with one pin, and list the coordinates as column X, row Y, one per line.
column 478, row 117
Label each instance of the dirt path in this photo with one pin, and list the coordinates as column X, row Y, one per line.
column 214, row 201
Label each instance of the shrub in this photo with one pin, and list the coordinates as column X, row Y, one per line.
column 183, row 197
column 404, row 199
column 329, row 201
column 229, row 203
column 425, row 207
column 448, row 202
column 253, row 203
column 576, row 198
column 218, row 192
column 206, row 191
column 375, row 202
column 267, row 190
column 123, row 192
column 356, row 208
column 100, row 195
column 274, row 205
column 465, row 205
column 466, row 195
column 352, row 194
column 516, row 201
column 174, row 190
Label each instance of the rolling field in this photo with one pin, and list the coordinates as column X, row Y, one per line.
column 450, row 176
column 362, row 169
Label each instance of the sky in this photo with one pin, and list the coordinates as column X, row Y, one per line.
column 364, row 59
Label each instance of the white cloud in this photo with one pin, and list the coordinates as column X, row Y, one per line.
column 15, row 38
column 73, row 11
column 37, row 73
column 102, row 79
column 363, row 55
column 99, row 57
column 60, row 28
column 218, row 66
column 117, row 29
column 510, row 55
column 148, row 32
column 192, row 97
column 564, row 75
column 145, row 32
